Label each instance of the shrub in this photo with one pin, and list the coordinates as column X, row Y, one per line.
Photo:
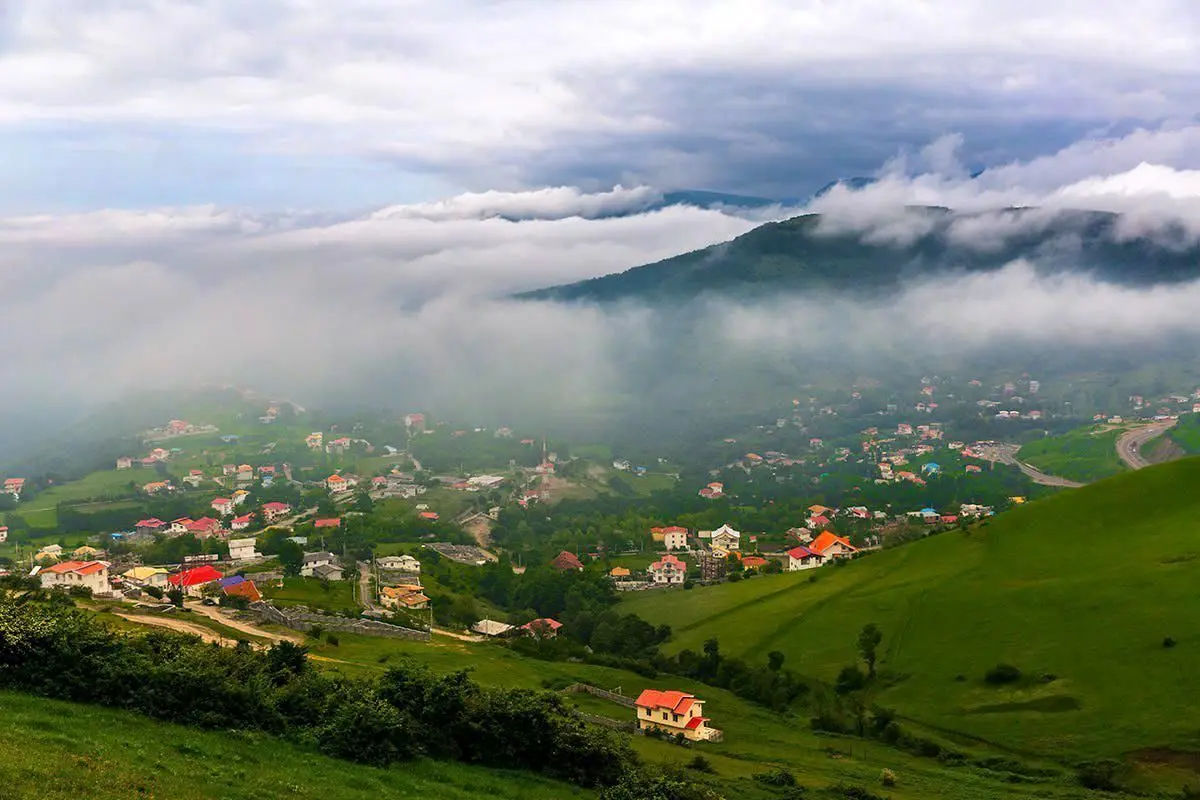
column 851, row 792
column 776, row 777
column 1002, row 674
column 79, row 591
column 332, row 640
column 701, row 764
column 1099, row 775
column 850, row 679
column 1168, row 642
column 887, row 777
column 154, row 592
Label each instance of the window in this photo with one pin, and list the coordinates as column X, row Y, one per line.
column 664, row 715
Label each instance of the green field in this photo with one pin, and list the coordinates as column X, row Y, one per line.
column 332, row 596
column 1075, row 590
column 71, row 752
column 1186, row 433
column 41, row 511
column 1086, row 454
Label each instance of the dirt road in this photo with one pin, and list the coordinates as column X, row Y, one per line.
column 245, row 627
column 177, row 625
column 1129, row 446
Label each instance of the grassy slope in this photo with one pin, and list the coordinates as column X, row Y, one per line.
column 1186, row 433
column 71, row 751
column 1083, row 585
column 1086, row 454
column 335, row 596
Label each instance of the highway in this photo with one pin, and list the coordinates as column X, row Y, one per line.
column 1129, row 446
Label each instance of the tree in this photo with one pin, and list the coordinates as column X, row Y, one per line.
column 291, row 557
column 868, row 643
column 774, row 661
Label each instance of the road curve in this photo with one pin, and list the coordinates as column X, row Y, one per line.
column 1045, row 479
column 1130, row 444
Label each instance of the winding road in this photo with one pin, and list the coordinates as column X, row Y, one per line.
column 1129, row 446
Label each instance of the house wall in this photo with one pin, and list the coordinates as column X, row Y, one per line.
column 675, row 541
column 798, row 564
column 97, row 581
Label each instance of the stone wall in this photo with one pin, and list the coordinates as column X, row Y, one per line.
column 300, row 618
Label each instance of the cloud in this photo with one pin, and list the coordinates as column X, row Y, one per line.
column 770, row 96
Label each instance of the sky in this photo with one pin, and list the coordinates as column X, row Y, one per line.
column 335, row 199
column 286, row 104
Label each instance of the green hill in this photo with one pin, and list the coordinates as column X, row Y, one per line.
column 1085, row 454
column 801, row 254
column 69, row 752
column 1078, row 591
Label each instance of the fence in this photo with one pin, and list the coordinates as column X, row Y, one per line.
column 595, row 691
column 301, row 619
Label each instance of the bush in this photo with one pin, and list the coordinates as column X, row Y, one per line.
column 701, row 764
column 1099, row 775
column 79, row 591
column 850, row 679
column 332, row 640
column 776, row 777
column 1002, row 674
column 851, row 792
column 1168, row 642
column 154, row 592
column 887, row 777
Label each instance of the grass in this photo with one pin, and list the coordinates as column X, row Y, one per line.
column 331, row 596
column 42, row 510
column 69, row 751
column 1086, row 454
column 1080, row 588
column 1186, row 433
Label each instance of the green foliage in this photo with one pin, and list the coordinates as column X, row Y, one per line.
column 291, row 557
column 868, row 643
column 1002, row 674
column 1086, row 454
column 63, row 653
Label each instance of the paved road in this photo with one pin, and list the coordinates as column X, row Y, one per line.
column 1129, row 446
column 1045, row 479
column 365, row 595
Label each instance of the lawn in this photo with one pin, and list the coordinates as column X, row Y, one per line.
column 1073, row 590
column 332, row 596
column 41, row 511
column 1086, row 454
column 69, row 751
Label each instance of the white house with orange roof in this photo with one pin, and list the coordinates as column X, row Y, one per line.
column 91, row 575
column 668, row 571
column 830, row 545
column 336, row 483
column 676, row 713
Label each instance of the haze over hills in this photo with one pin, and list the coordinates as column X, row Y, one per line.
column 816, row 252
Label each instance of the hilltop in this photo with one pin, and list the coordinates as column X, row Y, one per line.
column 811, row 252
column 1090, row 594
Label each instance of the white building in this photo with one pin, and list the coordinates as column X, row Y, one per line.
column 313, row 561
column 726, row 538
column 242, row 549
column 675, row 538
column 403, row 563
column 669, row 570
column 88, row 574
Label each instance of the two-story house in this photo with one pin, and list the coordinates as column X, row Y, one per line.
column 674, row 713
column 668, row 570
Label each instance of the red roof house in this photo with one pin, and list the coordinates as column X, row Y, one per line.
column 675, row 713
column 334, row 522
column 830, row 545
column 191, row 580
column 565, row 561
column 545, row 627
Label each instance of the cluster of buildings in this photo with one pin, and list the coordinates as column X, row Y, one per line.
column 14, row 486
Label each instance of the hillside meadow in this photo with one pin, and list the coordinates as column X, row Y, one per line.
column 1078, row 591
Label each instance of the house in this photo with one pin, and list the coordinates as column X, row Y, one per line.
column 314, row 440
column 156, row 487
column 241, row 523
column 565, row 561
column 151, row 525
column 544, row 628
column 85, row 553
column 332, row 572
column 930, row 516
column 802, row 535
column 713, row 491
column 205, row 526
column 817, row 521
column 490, row 627
column 240, row 496
column 931, row 468
column 674, row 713
column 619, row 573
column 242, row 549
column 192, row 581
column 333, row 522
column 50, row 550
column 432, row 516
column 830, row 545
column 228, row 469
column 415, row 422
column 668, row 571
column 404, row 563
column 179, row 526
column 336, row 483
column 124, row 462
column 754, row 562
column 313, row 561
column 675, row 538
column 275, row 510
column 223, row 506
column 237, row 586
column 800, row 558
column 408, row 596
column 3, row 534
column 726, row 538
column 146, row 576
column 91, row 575
column 972, row 469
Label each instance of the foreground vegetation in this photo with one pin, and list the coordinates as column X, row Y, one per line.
column 69, row 751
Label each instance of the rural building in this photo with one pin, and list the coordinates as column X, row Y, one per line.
column 313, row 561
column 3, row 534
column 332, row 522
column 328, row 572
column 242, row 549
column 222, row 505
column 490, row 627
column 675, row 538
column 830, row 545
column 274, row 510
column 565, row 561
column 146, row 576
column 91, row 575
column 408, row 596
column 801, row 557
column 669, row 570
column 544, row 628
column 619, row 573
column 192, row 581
column 725, row 538
column 238, row 586
column 241, row 523
column 674, row 713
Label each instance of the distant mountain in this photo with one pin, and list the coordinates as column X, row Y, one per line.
column 802, row 254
